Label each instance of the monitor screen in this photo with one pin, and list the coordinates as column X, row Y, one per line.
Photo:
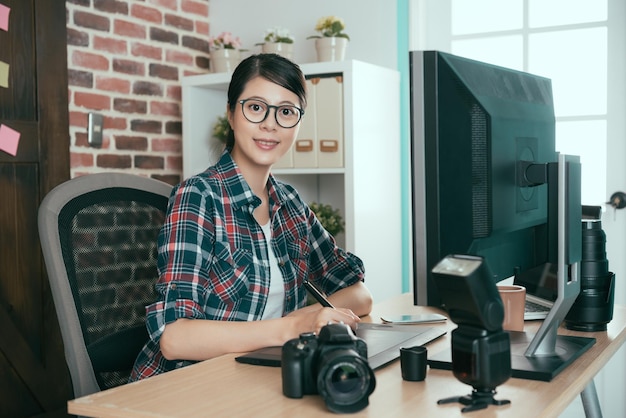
column 473, row 125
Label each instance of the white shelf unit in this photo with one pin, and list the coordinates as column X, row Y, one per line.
column 366, row 190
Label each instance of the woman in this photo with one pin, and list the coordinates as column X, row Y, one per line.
column 237, row 244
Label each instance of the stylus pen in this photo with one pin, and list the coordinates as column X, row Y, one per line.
column 317, row 294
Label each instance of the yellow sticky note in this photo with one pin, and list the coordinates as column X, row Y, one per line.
column 4, row 74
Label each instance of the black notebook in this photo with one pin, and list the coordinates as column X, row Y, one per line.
column 383, row 344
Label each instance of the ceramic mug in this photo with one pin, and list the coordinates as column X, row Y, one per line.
column 514, row 300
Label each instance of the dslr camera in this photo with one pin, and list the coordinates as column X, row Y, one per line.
column 333, row 365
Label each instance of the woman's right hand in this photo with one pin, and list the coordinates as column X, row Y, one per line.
column 314, row 317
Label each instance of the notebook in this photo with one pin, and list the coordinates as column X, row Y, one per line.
column 541, row 291
column 383, row 344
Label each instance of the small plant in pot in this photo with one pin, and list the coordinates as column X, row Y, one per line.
column 331, row 40
column 221, row 131
column 279, row 41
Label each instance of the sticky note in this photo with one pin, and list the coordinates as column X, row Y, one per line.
column 9, row 139
column 4, row 74
column 4, row 17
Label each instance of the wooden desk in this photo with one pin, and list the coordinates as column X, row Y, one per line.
column 223, row 387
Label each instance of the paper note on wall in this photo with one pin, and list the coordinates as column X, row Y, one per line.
column 4, row 74
column 9, row 139
column 4, row 17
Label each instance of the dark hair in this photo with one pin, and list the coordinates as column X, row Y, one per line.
column 271, row 67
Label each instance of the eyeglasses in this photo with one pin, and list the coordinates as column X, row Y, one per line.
column 256, row 111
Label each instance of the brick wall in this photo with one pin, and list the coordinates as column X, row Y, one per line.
column 113, row 246
column 125, row 61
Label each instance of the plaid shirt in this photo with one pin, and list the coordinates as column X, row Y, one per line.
column 213, row 259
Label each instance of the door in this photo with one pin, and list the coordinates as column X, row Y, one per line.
column 33, row 105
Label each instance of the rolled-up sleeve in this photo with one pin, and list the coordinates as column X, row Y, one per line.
column 184, row 253
column 332, row 267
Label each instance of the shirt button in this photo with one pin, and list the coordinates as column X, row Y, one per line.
column 173, row 287
column 281, row 264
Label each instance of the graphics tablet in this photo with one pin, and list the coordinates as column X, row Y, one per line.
column 383, row 344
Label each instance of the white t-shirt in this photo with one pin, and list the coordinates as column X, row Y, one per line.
column 276, row 298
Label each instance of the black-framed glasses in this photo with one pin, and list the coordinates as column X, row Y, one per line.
column 256, row 111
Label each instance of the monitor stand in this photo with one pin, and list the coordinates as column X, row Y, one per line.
column 546, row 353
column 543, row 355
column 545, row 367
column 536, row 367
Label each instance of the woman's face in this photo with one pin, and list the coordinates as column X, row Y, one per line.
column 264, row 143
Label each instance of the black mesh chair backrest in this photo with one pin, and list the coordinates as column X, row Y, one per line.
column 107, row 238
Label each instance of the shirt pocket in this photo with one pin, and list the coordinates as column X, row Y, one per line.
column 230, row 276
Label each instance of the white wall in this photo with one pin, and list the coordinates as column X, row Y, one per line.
column 371, row 25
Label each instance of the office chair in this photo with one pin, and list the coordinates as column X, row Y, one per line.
column 98, row 234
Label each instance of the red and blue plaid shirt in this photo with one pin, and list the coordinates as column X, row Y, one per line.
column 213, row 259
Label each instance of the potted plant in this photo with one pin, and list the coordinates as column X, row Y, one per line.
column 221, row 129
column 331, row 41
column 329, row 217
column 220, row 133
column 279, row 41
column 225, row 52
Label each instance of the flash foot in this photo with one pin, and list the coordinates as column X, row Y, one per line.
column 478, row 399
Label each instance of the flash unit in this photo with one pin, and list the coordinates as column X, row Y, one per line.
column 481, row 350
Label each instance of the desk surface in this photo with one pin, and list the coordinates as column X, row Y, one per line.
column 224, row 387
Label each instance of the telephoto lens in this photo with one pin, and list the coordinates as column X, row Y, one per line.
column 593, row 309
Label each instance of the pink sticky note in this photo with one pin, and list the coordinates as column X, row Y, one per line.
column 9, row 139
column 4, row 17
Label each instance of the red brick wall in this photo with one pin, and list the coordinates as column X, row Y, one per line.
column 125, row 61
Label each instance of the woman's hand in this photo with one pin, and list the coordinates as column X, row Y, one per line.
column 314, row 317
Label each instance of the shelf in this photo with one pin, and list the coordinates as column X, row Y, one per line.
column 366, row 190
column 290, row 171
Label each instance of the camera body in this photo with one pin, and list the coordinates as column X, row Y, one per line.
column 333, row 365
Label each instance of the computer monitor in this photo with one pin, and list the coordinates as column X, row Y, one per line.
column 471, row 123
column 488, row 181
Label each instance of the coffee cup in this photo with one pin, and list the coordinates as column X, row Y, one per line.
column 514, row 300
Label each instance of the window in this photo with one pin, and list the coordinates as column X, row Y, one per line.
column 564, row 40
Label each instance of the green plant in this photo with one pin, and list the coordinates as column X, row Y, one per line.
column 330, row 26
column 329, row 217
column 221, row 129
column 277, row 34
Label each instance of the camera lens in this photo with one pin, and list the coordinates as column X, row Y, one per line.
column 594, row 262
column 593, row 307
column 345, row 381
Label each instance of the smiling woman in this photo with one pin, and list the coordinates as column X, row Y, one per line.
column 254, row 131
column 257, row 240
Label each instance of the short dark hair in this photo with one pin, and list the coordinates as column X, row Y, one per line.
column 271, row 67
